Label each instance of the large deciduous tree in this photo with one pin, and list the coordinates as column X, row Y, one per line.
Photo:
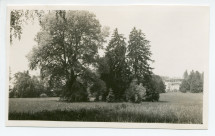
column 67, row 47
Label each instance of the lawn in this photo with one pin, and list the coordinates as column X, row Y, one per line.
column 171, row 108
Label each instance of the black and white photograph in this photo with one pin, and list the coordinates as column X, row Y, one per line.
column 130, row 66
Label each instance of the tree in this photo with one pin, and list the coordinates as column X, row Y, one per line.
column 159, row 84
column 135, row 93
column 98, row 89
column 185, row 86
column 26, row 86
column 185, row 76
column 116, row 74
column 67, row 48
column 139, row 55
column 192, row 83
column 139, row 59
column 20, row 17
column 196, row 83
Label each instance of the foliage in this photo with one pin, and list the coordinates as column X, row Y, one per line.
column 67, row 47
column 111, row 96
column 26, row 86
column 113, row 67
column 67, row 56
column 159, row 84
column 192, row 83
column 98, row 89
column 152, row 93
column 185, row 76
column 185, row 86
column 77, row 93
column 139, row 59
column 139, row 55
column 135, row 93
column 20, row 17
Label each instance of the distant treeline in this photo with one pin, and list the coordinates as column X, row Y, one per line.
column 192, row 82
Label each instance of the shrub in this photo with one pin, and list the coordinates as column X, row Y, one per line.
column 135, row 93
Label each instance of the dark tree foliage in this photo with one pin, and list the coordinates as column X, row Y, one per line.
column 113, row 67
column 67, row 49
column 98, row 89
column 139, row 55
column 193, row 83
column 152, row 93
column 159, row 84
column 139, row 59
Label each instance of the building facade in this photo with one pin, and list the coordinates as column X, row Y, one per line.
column 173, row 84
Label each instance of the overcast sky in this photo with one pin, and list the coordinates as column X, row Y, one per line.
column 178, row 35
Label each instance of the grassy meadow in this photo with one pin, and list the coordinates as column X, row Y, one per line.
column 180, row 108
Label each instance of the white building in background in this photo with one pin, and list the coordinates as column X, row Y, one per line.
column 172, row 84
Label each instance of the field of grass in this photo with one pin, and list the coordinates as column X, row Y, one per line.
column 172, row 108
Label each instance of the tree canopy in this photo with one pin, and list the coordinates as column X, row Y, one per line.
column 67, row 46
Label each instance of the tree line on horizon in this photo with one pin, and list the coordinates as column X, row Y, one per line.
column 192, row 82
column 70, row 66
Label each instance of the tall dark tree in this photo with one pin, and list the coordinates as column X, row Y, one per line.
column 67, row 48
column 139, row 55
column 139, row 59
column 116, row 74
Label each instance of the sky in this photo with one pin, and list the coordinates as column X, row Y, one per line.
column 178, row 35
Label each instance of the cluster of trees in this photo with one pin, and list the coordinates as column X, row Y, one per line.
column 26, row 86
column 192, row 82
column 67, row 56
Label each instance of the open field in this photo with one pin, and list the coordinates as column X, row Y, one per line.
column 172, row 108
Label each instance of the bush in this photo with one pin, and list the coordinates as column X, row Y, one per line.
column 135, row 93
column 152, row 96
